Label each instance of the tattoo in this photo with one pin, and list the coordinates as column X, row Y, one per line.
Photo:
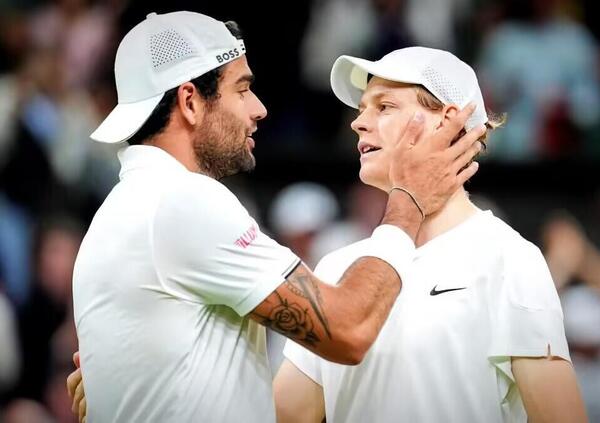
column 300, row 283
column 291, row 319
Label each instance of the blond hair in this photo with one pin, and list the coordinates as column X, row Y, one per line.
column 430, row 102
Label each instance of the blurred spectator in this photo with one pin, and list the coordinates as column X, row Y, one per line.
column 570, row 253
column 14, row 39
column 571, row 257
column 565, row 248
column 541, row 68
column 49, row 305
column 581, row 308
column 365, row 28
column 299, row 212
column 83, row 34
column 433, row 22
column 15, row 247
column 44, row 144
column 9, row 349
column 365, row 207
column 26, row 411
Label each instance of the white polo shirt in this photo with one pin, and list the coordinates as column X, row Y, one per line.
column 170, row 265
column 475, row 296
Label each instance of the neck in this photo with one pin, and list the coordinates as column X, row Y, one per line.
column 458, row 209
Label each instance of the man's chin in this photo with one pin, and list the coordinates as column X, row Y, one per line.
column 368, row 178
column 244, row 167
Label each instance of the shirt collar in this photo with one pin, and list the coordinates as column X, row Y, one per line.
column 146, row 156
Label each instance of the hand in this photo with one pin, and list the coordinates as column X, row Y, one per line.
column 76, row 392
column 431, row 169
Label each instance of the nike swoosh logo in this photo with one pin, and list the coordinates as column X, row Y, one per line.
column 441, row 291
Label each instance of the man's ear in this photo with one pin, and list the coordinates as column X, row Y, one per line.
column 189, row 103
column 449, row 111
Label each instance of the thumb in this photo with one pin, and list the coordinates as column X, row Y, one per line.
column 76, row 360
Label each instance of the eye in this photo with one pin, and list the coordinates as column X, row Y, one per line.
column 243, row 92
column 384, row 106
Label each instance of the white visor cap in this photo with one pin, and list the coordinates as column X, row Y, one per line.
column 448, row 78
column 161, row 53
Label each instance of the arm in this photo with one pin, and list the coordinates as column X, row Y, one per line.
column 549, row 390
column 298, row 399
column 340, row 323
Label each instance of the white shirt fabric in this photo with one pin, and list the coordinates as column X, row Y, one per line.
column 170, row 265
column 446, row 357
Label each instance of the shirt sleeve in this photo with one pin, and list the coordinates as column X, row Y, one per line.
column 528, row 319
column 207, row 248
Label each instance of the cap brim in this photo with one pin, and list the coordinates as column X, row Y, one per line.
column 349, row 77
column 125, row 120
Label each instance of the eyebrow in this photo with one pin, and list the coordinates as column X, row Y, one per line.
column 249, row 78
column 375, row 97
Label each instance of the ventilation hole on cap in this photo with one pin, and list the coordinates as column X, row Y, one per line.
column 443, row 87
column 168, row 46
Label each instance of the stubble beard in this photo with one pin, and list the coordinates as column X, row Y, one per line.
column 220, row 146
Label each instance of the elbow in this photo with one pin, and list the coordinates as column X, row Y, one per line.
column 353, row 346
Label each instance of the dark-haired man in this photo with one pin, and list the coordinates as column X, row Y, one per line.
column 174, row 279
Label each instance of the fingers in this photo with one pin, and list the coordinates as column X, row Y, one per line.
column 449, row 131
column 466, row 174
column 73, row 380
column 82, row 410
column 413, row 130
column 79, row 393
column 76, row 359
column 467, row 157
column 467, row 141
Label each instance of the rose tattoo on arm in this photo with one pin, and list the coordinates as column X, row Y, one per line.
column 292, row 319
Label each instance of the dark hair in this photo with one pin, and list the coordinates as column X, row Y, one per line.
column 207, row 86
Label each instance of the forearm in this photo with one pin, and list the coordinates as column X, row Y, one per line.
column 340, row 323
column 359, row 305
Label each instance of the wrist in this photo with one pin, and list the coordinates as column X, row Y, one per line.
column 412, row 197
column 402, row 212
column 392, row 245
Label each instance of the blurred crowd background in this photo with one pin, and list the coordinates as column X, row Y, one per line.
column 537, row 60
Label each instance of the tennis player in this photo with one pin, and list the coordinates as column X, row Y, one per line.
column 477, row 334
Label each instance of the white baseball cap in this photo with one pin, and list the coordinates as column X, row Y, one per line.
column 160, row 53
column 448, row 78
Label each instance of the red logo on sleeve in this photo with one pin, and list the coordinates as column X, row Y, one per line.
column 246, row 239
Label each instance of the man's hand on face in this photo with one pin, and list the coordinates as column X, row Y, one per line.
column 431, row 168
column 75, row 388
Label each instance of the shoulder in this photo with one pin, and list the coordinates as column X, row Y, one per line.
column 198, row 206
column 512, row 246
column 194, row 193
column 525, row 277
